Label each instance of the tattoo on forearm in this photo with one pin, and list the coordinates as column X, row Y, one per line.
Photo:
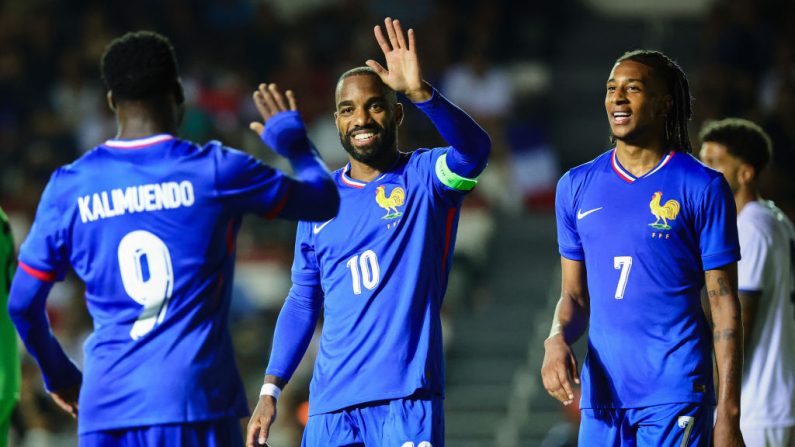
column 725, row 334
column 724, row 287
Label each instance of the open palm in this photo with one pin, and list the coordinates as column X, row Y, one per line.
column 402, row 72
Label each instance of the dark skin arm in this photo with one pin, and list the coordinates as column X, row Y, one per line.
column 264, row 415
column 569, row 323
column 749, row 302
column 727, row 327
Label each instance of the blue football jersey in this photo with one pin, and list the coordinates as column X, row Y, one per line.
column 382, row 264
column 646, row 243
column 149, row 225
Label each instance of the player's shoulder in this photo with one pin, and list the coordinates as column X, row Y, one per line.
column 579, row 173
column 422, row 155
column 694, row 170
column 761, row 216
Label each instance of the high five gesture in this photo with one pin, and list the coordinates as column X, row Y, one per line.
column 402, row 72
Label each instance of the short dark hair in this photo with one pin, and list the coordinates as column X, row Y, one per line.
column 675, row 80
column 743, row 139
column 140, row 65
column 386, row 90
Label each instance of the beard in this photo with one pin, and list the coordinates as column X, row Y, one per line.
column 385, row 143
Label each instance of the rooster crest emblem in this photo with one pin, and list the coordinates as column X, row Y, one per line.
column 390, row 204
column 663, row 213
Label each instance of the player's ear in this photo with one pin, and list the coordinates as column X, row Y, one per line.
column 399, row 113
column 111, row 100
column 746, row 173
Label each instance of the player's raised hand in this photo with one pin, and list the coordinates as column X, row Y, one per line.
column 67, row 399
column 559, row 369
column 402, row 72
column 270, row 101
column 259, row 425
column 282, row 128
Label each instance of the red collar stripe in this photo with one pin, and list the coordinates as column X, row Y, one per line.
column 626, row 176
column 349, row 181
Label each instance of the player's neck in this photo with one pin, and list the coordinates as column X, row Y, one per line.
column 744, row 196
column 135, row 121
column 637, row 159
column 367, row 172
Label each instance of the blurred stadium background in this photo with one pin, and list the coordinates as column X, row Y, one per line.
column 531, row 72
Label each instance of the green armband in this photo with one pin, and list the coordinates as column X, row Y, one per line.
column 450, row 178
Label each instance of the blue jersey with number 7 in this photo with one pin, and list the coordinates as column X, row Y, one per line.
column 149, row 225
column 646, row 242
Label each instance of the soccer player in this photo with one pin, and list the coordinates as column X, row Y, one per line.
column 378, row 271
column 641, row 229
column 9, row 357
column 741, row 150
column 148, row 221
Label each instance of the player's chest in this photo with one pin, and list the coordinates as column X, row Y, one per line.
column 635, row 214
column 374, row 215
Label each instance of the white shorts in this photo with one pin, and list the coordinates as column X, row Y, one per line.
column 769, row 437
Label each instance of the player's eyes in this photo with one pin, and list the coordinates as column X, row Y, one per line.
column 611, row 89
column 346, row 110
column 377, row 107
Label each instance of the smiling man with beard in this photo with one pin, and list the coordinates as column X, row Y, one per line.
column 378, row 271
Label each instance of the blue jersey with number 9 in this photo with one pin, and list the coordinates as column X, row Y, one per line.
column 646, row 242
column 149, row 225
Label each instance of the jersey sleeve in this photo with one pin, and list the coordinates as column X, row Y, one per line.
column 569, row 242
column 716, row 223
column 754, row 247
column 45, row 252
column 246, row 185
column 305, row 270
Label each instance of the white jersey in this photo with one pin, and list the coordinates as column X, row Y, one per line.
column 767, row 245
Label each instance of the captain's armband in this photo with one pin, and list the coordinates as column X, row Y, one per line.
column 450, row 178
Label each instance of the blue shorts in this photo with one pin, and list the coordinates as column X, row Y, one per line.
column 216, row 433
column 405, row 422
column 675, row 425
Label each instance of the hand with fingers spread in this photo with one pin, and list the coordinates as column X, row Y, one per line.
column 402, row 72
column 559, row 370
column 282, row 128
column 67, row 399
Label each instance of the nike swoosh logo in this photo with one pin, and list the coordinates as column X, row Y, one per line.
column 316, row 228
column 580, row 214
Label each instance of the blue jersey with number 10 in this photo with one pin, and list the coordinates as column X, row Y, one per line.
column 382, row 265
column 149, row 225
column 646, row 243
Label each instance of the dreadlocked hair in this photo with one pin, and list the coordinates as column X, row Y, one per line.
column 676, row 136
column 140, row 65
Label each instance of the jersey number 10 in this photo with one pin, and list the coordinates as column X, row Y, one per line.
column 364, row 271
column 145, row 266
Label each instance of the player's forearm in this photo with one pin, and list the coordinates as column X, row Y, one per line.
column 27, row 308
column 570, row 319
column 294, row 329
column 313, row 194
column 470, row 144
column 727, row 338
